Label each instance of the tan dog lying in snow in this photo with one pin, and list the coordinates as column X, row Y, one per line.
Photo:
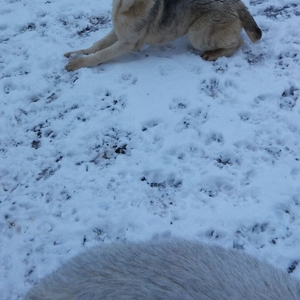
column 212, row 26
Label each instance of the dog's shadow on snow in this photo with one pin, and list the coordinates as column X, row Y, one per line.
column 172, row 49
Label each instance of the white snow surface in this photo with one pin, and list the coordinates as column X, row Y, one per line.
column 155, row 144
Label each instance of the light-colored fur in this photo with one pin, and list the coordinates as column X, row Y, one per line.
column 166, row 270
column 212, row 26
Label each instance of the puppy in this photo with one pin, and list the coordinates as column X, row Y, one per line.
column 166, row 270
column 212, row 26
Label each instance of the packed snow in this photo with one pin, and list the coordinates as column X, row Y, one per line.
column 156, row 144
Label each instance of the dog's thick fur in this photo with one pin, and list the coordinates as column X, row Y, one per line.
column 213, row 26
column 167, row 270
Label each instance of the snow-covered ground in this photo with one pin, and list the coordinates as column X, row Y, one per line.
column 155, row 144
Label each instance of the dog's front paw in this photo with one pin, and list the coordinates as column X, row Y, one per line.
column 75, row 64
column 68, row 54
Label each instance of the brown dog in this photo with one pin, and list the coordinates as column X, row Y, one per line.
column 213, row 26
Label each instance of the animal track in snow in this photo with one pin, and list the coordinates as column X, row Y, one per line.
column 210, row 87
column 95, row 24
column 157, row 179
column 112, row 143
column 287, row 59
column 280, row 13
column 128, row 78
column 179, row 104
column 214, row 137
column 193, row 119
column 289, row 98
column 216, row 186
column 111, row 102
column 166, row 70
column 151, row 124
column 254, row 57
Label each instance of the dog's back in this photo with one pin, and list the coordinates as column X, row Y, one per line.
column 172, row 269
column 176, row 16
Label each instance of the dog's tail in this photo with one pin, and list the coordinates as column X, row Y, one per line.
column 249, row 24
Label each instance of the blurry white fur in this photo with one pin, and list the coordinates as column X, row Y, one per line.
column 172, row 269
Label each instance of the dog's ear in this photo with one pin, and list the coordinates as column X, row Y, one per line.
column 126, row 4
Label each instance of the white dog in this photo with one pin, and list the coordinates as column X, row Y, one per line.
column 167, row 270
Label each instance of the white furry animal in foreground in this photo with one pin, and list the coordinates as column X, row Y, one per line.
column 172, row 269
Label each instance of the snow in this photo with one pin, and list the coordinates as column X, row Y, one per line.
column 155, row 144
